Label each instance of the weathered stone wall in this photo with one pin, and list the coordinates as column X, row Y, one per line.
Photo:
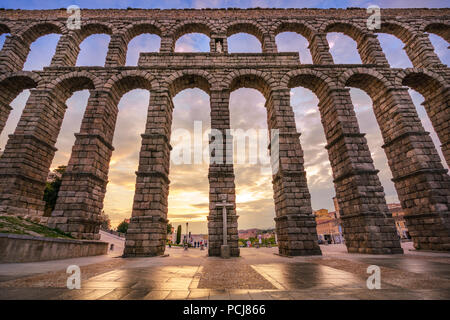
column 422, row 183
column 17, row 248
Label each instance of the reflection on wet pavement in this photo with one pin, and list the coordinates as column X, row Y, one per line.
column 258, row 274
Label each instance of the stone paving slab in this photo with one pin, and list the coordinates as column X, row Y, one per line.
column 258, row 274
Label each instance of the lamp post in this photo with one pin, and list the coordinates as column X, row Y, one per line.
column 186, row 244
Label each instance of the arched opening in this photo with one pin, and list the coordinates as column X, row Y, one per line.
column 317, row 165
column 252, row 168
column 4, row 32
column 364, row 111
column 243, row 43
column 17, row 105
column 139, row 38
column 419, row 102
column 41, row 53
column 393, row 49
column 294, row 42
column 188, row 200
column 430, row 98
column 441, row 47
column 76, row 106
column 254, row 195
column 130, row 124
column 193, row 42
column 93, row 50
column 343, row 48
column 14, row 93
column 245, row 38
column 40, row 43
column 142, row 43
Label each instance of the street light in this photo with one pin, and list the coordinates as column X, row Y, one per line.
column 186, row 245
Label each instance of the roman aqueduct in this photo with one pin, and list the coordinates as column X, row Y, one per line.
column 422, row 183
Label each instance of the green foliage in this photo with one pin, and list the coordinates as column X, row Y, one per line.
column 18, row 225
column 106, row 221
column 51, row 191
column 123, row 227
column 169, row 228
column 179, row 234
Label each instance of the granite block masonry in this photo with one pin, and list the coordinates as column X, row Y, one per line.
column 422, row 183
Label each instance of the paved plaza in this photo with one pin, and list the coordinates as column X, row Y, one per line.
column 258, row 274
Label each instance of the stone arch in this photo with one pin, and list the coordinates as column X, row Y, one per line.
column 38, row 29
column 129, row 80
column 417, row 44
column 189, row 79
column 436, row 93
column 87, row 31
column 245, row 26
column 11, row 85
column 367, row 44
column 312, row 80
column 397, row 29
column 302, row 28
column 192, row 27
column 26, row 77
column 17, row 48
column 139, row 28
column 368, row 80
column 74, row 81
column 439, row 28
column 418, row 79
column 4, row 28
column 93, row 28
column 350, row 29
column 253, row 79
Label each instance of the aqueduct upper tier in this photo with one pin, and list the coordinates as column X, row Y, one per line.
column 421, row 181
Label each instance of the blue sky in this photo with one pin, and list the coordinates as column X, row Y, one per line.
column 189, row 188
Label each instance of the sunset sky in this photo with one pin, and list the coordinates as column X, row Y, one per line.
column 188, row 198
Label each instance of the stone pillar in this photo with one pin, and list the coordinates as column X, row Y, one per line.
column 80, row 198
column 67, row 51
column 269, row 44
column 221, row 180
column 370, row 50
column 422, row 184
column 13, row 54
column 437, row 104
column 167, row 44
column 421, row 52
column 295, row 222
column 5, row 110
column 368, row 226
column 27, row 157
column 146, row 235
column 117, row 51
column 320, row 50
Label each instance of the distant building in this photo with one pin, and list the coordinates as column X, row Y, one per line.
column 247, row 234
column 328, row 227
column 399, row 218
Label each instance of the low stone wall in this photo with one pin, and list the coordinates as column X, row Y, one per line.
column 24, row 248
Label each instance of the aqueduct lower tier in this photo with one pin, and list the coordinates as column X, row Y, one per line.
column 422, row 183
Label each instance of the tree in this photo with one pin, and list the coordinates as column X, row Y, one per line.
column 52, row 189
column 106, row 221
column 169, row 228
column 179, row 234
column 123, row 227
